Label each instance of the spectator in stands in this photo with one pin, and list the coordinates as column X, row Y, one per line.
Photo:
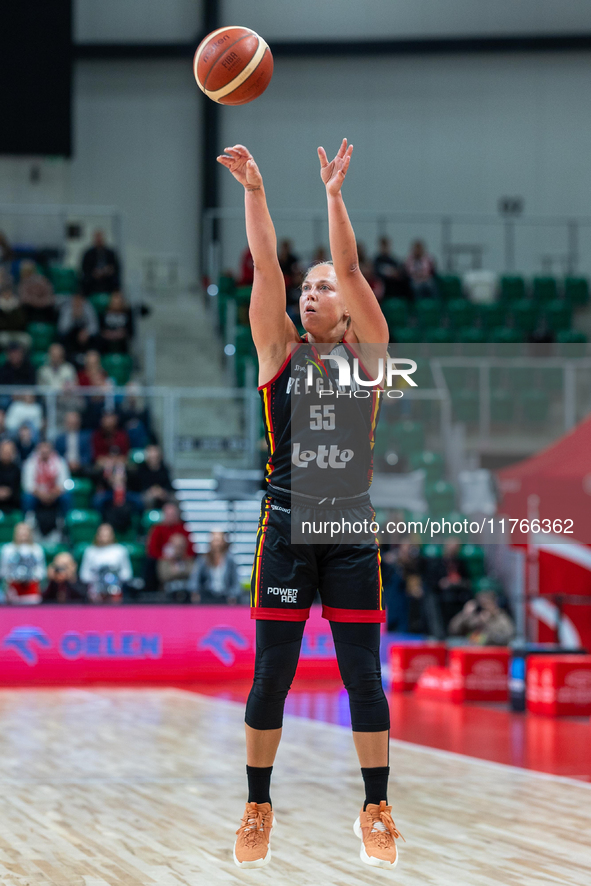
column 421, row 270
column 105, row 567
column 17, row 370
column 56, row 373
column 246, row 275
column 215, row 576
column 174, row 568
column 22, row 567
column 74, row 444
column 391, row 272
column 152, row 479
column 160, row 533
column 448, row 578
column 13, row 317
column 483, row 621
column 24, row 410
column 77, row 326
column 25, row 443
column 92, row 375
column 116, row 326
column 36, row 294
column 109, row 440
column 5, row 248
column 113, row 499
column 10, row 477
column 100, row 267
column 134, row 417
column 44, row 485
column 64, row 585
column 288, row 262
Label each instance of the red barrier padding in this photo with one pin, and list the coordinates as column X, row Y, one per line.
column 559, row 685
column 481, row 673
column 409, row 660
column 72, row 645
column 439, row 684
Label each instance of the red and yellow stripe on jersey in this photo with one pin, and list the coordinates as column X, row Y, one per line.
column 258, row 559
column 269, row 429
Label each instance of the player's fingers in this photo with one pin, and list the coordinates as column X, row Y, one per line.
column 242, row 150
column 322, row 157
column 225, row 161
column 343, row 148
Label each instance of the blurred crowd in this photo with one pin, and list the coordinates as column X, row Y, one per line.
column 437, row 597
column 389, row 276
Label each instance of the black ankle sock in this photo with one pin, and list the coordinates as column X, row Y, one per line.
column 376, row 784
column 259, row 783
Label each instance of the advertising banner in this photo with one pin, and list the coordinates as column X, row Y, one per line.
column 72, row 645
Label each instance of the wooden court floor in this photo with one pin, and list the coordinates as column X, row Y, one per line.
column 129, row 787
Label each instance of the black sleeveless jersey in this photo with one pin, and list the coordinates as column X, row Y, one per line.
column 320, row 434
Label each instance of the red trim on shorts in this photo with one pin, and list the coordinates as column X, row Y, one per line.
column 272, row 613
column 357, row 616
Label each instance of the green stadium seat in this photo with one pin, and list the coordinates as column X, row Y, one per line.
column 407, row 335
column 512, row 287
column 437, row 335
column 408, row 437
column 491, row 315
column 487, row 583
column 226, row 285
column 137, row 555
column 524, row 313
column 136, row 457
column 42, row 335
column 150, row 518
column 118, row 367
column 460, row 312
column 243, row 294
column 450, row 286
column 430, row 462
column 571, row 343
column 576, row 290
column 244, row 343
column 470, row 335
column 100, row 302
column 432, row 551
column 82, row 524
column 8, row 520
column 81, row 489
column 428, row 312
column 544, row 288
column 473, row 557
column 52, row 550
column 395, row 311
column 38, row 358
column 441, row 497
column 505, row 335
column 63, row 280
column 558, row 315
column 78, row 551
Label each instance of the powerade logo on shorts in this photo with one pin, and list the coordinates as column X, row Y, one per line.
column 28, row 640
column 288, row 595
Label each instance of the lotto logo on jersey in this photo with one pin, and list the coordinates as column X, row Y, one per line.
column 325, row 457
column 288, row 595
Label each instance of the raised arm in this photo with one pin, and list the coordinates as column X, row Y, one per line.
column 367, row 320
column 272, row 330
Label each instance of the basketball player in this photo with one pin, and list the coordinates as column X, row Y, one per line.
column 338, row 309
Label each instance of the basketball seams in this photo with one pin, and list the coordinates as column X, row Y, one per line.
column 240, row 78
column 220, row 59
column 244, row 33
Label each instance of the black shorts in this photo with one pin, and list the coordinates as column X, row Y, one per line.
column 286, row 576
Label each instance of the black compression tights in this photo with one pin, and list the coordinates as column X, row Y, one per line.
column 358, row 654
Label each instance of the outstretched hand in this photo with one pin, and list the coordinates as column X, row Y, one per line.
column 333, row 173
column 241, row 164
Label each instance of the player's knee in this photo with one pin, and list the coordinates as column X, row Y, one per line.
column 362, row 678
column 273, row 674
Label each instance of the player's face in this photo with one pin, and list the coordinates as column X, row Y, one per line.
column 321, row 305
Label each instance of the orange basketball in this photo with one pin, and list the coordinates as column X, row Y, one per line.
column 233, row 66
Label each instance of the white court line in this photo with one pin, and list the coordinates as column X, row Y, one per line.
column 424, row 749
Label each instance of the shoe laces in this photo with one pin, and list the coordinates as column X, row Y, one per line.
column 253, row 824
column 383, row 829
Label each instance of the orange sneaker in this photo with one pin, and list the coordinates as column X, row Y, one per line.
column 252, row 847
column 378, row 834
